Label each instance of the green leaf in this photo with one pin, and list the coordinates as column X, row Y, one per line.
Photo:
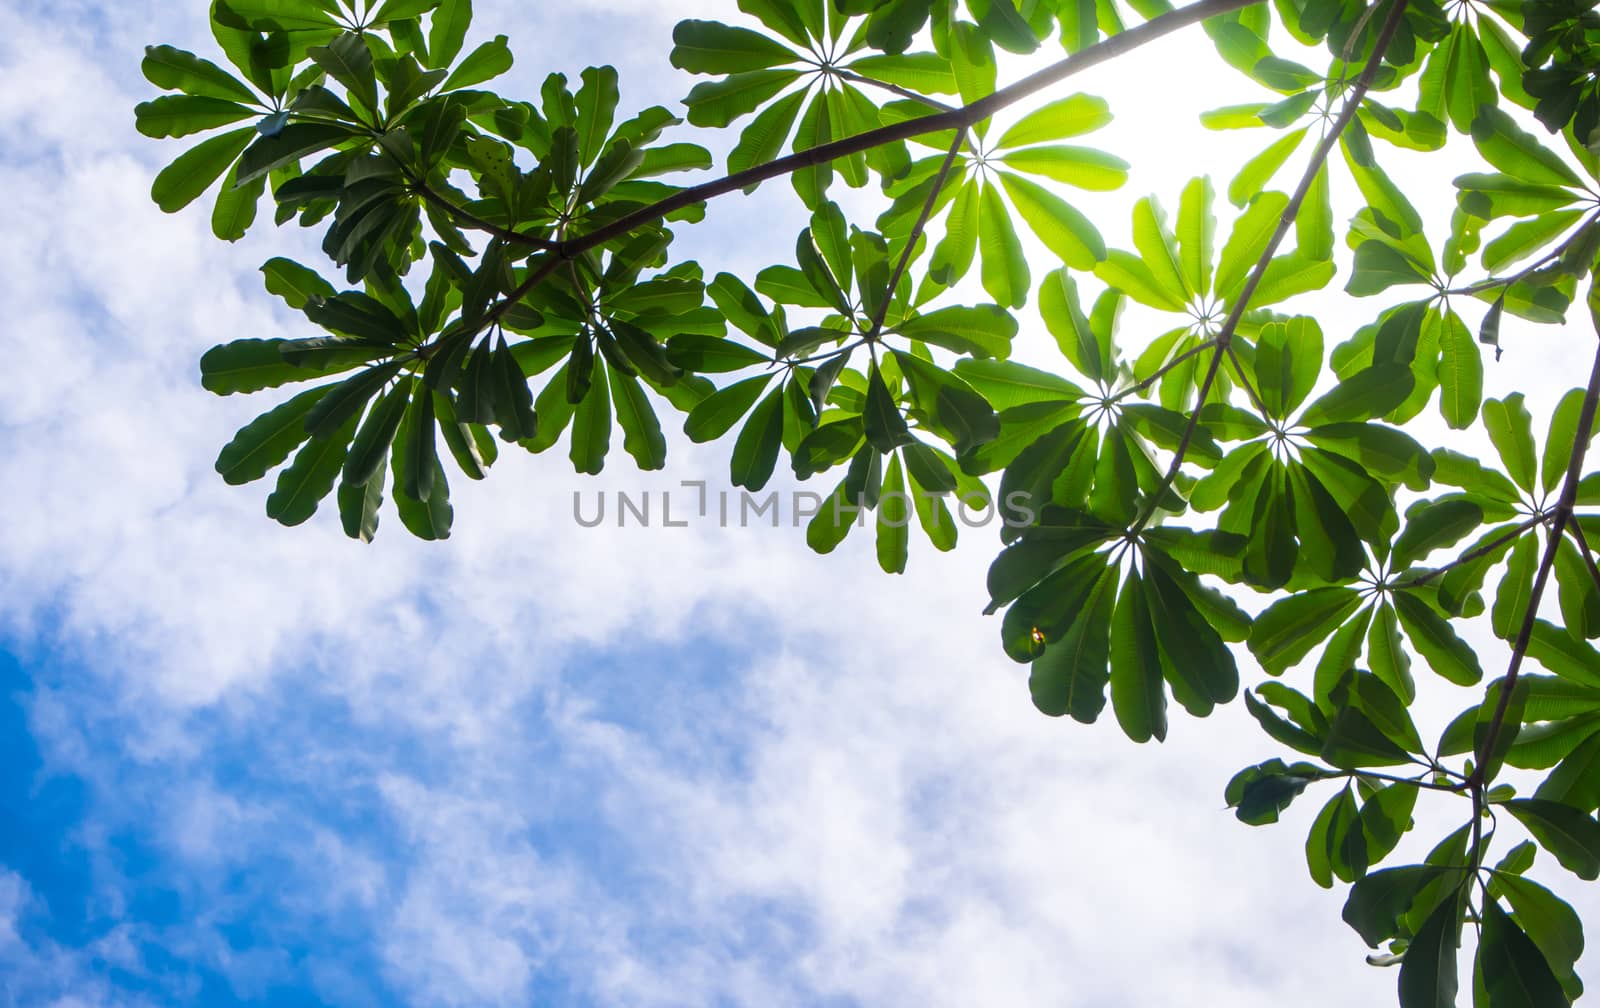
column 1062, row 119
column 1260, row 793
column 1082, row 167
column 1514, row 970
column 591, row 427
column 484, row 63
column 926, row 73
column 1287, row 276
column 292, row 143
column 1432, row 525
column 358, row 508
column 1291, row 735
column 235, row 209
column 471, row 445
column 1460, row 373
column 1386, row 817
column 1379, row 266
column 1576, row 780
column 1314, row 223
column 1159, row 249
column 894, row 520
column 710, row 47
column 1366, row 394
column 447, row 31
column 430, row 519
column 703, row 354
column 981, row 331
column 1257, row 173
column 1446, row 653
column 295, row 283
column 718, row 103
column 420, row 445
column 1492, row 195
column 183, row 115
column 370, row 450
column 265, row 442
column 1007, row 384
column 1247, row 241
column 1354, row 741
column 1524, row 238
column 641, row 430
column 1287, row 631
column 1505, row 145
column 349, row 397
column 512, row 399
column 1071, row 676
column 886, row 428
column 288, row 15
column 1335, row 844
column 348, row 60
column 1516, row 588
column 1572, row 836
column 1511, row 429
column 1087, row 346
column 597, row 106
column 1546, row 919
column 185, row 179
column 1558, row 447
column 1005, row 264
column 1564, row 654
column 1428, row 973
column 1138, row 693
column 1129, row 274
column 717, row 414
column 311, row 476
column 176, row 70
column 251, row 365
column 1288, row 362
column 1377, row 902
column 755, row 452
column 1058, row 224
column 1196, row 236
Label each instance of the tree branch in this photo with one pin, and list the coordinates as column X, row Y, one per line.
column 1563, row 515
column 958, row 119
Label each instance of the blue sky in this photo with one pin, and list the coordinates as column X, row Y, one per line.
column 244, row 765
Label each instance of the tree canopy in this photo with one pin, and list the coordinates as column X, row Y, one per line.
column 1240, row 484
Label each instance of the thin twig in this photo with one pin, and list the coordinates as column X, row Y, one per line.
column 1471, row 554
column 894, row 89
column 1161, row 371
column 1413, row 781
column 916, row 234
